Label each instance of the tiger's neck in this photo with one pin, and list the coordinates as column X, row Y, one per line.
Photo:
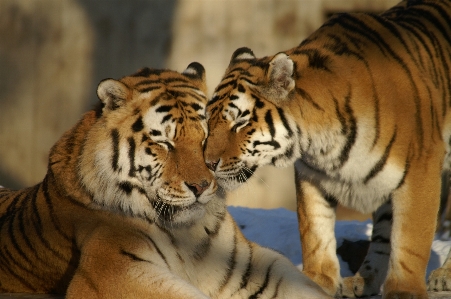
column 64, row 157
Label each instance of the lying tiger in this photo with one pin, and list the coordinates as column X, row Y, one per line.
column 128, row 208
column 362, row 107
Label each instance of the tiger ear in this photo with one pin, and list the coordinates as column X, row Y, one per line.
column 242, row 54
column 196, row 71
column 280, row 79
column 112, row 93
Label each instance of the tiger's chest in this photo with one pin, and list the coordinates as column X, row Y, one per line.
column 197, row 257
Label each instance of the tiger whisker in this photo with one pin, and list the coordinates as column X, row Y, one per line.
column 256, row 176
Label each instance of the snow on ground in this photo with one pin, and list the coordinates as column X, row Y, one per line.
column 278, row 229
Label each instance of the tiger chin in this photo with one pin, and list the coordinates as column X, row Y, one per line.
column 128, row 208
column 362, row 109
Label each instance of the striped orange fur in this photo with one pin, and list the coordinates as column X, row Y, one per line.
column 361, row 107
column 128, row 208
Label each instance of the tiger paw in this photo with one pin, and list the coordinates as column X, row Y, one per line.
column 439, row 280
column 330, row 285
column 358, row 286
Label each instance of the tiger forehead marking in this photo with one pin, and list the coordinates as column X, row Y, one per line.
column 169, row 120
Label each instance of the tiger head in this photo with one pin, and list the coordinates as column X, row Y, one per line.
column 144, row 155
column 248, row 127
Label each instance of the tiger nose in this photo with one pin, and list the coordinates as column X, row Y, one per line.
column 198, row 189
column 212, row 164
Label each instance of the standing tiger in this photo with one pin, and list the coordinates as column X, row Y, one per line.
column 362, row 109
column 128, row 208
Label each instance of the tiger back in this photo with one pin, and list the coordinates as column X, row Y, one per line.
column 128, row 208
column 361, row 107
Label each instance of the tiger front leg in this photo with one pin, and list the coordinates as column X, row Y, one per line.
column 316, row 218
column 415, row 208
column 369, row 278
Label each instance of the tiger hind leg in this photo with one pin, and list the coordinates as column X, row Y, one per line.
column 371, row 274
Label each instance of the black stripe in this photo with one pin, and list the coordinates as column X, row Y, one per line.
column 315, row 58
column 177, row 80
column 272, row 143
column 149, row 88
column 382, row 161
column 26, row 234
column 147, row 82
column 379, row 41
column 381, row 252
column 39, row 225
column 248, row 80
column 341, row 118
column 195, row 95
column 352, row 132
column 338, row 47
column 406, row 171
column 265, row 283
column 284, row 121
column 160, row 253
column 6, row 256
column 270, row 122
column 115, row 141
column 231, row 261
column 384, row 217
column 306, row 96
column 247, row 274
column 53, row 214
column 184, row 85
column 226, row 84
column 156, row 99
column 213, row 232
column 331, row 200
column 214, row 100
column 376, row 114
column 166, row 118
column 235, row 107
column 164, row 108
column 13, row 205
column 431, row 17
column 390, row 26
column 380, row 239
column 196, row 106
column 138, row 125
column 128, row 187
column 278, row 284
column 259, row 104
column 12, row 233
column 245, row 112
column 352, row 23
column 131, row 156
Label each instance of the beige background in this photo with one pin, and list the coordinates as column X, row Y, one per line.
column 53, row 53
